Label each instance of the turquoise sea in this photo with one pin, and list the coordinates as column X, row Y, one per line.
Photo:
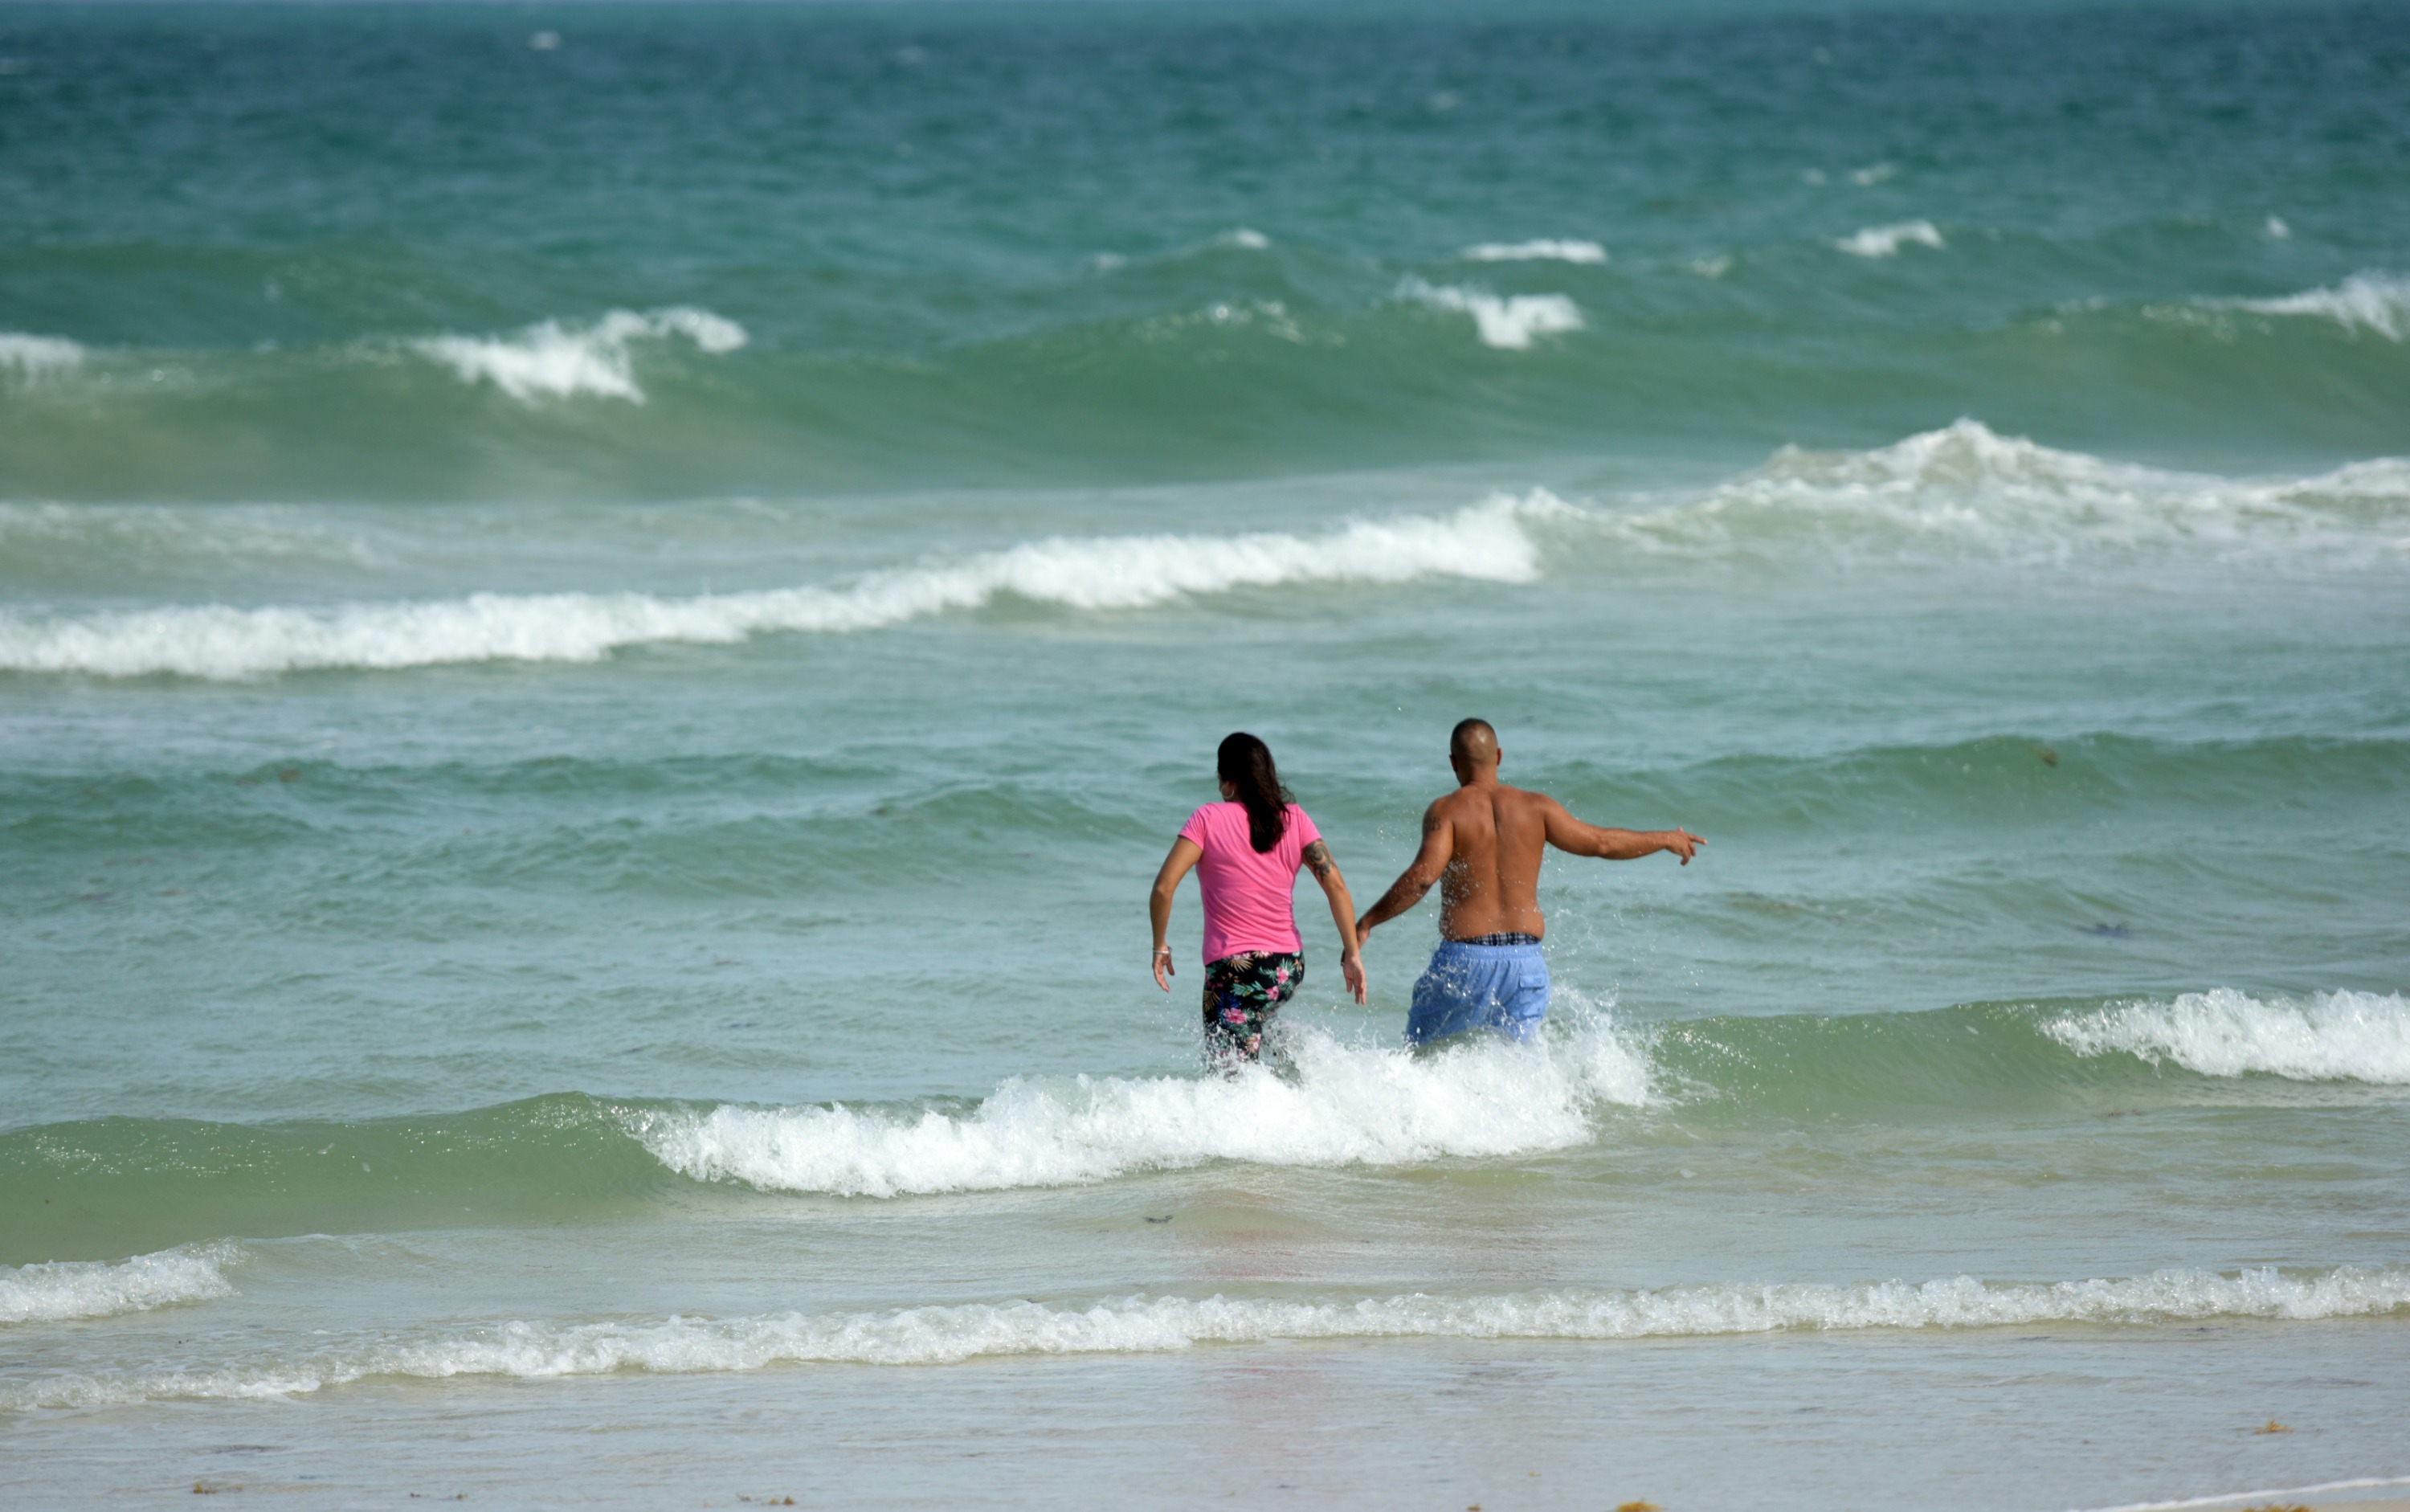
column 605, row 613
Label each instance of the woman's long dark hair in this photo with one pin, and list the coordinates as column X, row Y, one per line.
column 1246, row 763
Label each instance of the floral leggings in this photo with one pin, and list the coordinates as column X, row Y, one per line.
column 1242, row 991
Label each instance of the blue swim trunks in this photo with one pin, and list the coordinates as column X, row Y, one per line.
column 1478, row 985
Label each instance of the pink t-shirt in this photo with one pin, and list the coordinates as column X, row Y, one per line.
column 1248, row 893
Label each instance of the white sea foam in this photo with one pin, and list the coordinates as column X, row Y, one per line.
column 1967, row 489
column 1489, row 540
column 550, row 360
column 1545, row 250
column 2289, row 1495
column 1347, row 1105
column 1245, row 239
column 2329, row 1037
column 34, row 358
column 1511, row 323
column 1963, row 491
column 1886, row 240
column 64, row 1290
column 2378, row 302
column 937, row 1335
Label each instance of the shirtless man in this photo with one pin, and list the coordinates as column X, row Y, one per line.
column 1482, row 844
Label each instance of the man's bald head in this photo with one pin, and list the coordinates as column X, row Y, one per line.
column 1473, row 744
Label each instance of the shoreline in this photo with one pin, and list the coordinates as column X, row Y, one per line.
column 2388, row 1493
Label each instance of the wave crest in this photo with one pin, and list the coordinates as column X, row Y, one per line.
column 1967, row 488
column 2379, row 302
column 940, row 1335
column 549, row 360
column 1544, row 250
column 1510, row 323
column 1886, row 240
column 1348, row 1105
column 2330, row 1037
column 34, row 358
column 59, row 1290
column 1963, row 491
column 1486, row 542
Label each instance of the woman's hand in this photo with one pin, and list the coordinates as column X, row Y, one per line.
column 1351, row 966
column 1342, row 913
column 1184, row 855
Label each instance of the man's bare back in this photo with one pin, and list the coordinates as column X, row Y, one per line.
column 1483, row 842
column 1492, row 834
column 1482, row 845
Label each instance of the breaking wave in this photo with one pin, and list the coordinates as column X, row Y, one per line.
column 2378, row 302
column 1485, row 541
column 1544, row 250
column 550, row 360
column 1963, row 491
column 2329, row 1037
column 1347, row 1105
column 1886, row 240
column 1510, row 323
column 32, row 357
column 937, row 1335
column 1967, row 489
column 105, row 1186
column 60, row 1290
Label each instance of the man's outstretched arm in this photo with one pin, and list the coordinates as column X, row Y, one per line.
column 1439, row 845
column 1571, row 834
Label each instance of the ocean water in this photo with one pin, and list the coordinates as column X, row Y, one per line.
column 605, row 614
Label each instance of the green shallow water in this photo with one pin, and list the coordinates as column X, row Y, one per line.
column 605, row 613
column 104, row 1188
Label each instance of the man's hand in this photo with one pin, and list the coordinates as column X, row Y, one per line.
column 1351, row 966
column 1683, row 843
column 1162, row 969
column 1363, row 933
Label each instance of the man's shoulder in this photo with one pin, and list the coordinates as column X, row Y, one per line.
column 1482, row 803
column 1448, row 803
column 1524, row 805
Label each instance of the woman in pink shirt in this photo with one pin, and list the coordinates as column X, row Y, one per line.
column 1247, row 849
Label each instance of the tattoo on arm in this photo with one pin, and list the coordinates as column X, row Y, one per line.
column 1317, row 857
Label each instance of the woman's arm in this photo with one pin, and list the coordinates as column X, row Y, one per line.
column 1184, row 855
column 1342, row 913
